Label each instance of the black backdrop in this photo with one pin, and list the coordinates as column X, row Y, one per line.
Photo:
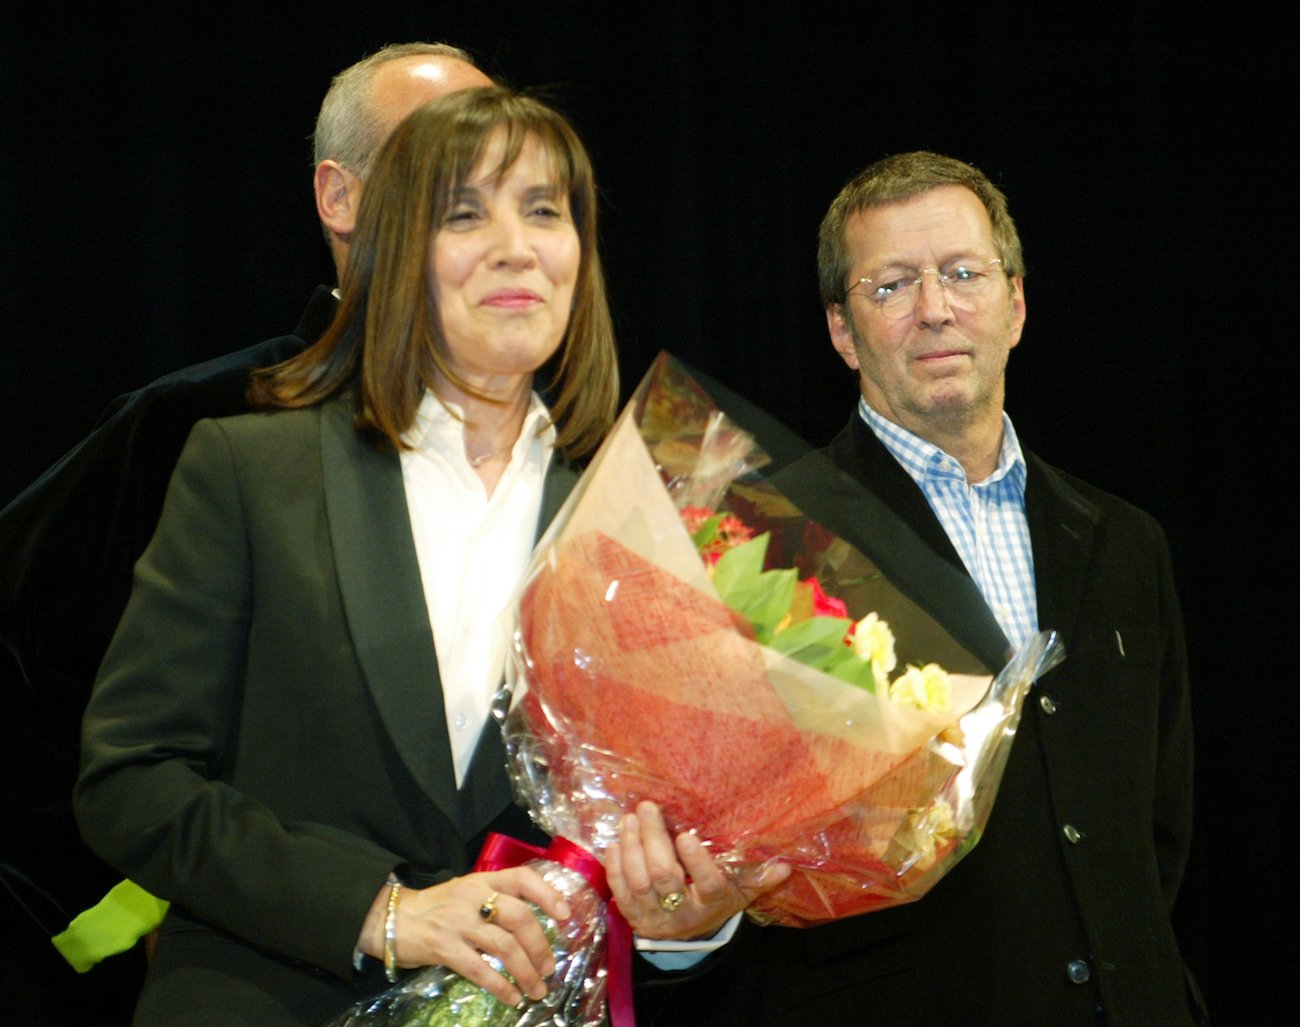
column 156, row 210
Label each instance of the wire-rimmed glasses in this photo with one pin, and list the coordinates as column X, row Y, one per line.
column 895, row 289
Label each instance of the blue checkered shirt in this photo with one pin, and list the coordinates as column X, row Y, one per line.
column 986, row 522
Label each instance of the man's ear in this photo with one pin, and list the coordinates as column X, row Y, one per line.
column 841, row 336
column 1017, row 324
column 338, row 195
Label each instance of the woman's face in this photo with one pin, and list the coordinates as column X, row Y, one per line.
column 503, row 267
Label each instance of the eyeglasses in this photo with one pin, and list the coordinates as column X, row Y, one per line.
column 895, row 290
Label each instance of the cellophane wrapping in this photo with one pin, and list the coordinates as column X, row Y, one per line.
column 438, row 997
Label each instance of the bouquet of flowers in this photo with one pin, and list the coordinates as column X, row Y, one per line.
column 686, row 635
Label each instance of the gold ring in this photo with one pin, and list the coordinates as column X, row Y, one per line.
column 488, row 911
column 671, row 903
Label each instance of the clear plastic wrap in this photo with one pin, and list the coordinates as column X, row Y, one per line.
column 438, row 997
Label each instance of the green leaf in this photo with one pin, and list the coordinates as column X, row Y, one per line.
column 768, row 604
column 854, row 669
column 813, row 640
column 762, row 597
column 738, row 569
column 819, row 642
column 707, row 533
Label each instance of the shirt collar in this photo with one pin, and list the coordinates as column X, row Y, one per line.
column 922, row 459
column 439, row 425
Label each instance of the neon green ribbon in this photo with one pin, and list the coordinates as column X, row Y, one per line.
column 114, row 924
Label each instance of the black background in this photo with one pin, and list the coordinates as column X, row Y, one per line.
column 155, row 210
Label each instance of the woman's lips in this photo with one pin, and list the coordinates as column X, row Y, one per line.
column 511, row 298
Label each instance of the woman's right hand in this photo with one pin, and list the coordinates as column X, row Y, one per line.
column 443, row 925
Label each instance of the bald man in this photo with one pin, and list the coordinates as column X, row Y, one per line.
column 68, row 542
column 363, row 106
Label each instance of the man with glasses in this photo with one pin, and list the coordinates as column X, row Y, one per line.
column 1061, row 913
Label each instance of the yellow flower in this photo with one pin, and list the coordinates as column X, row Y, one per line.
column 931, row 827
column 874, row 642
column 927, row 688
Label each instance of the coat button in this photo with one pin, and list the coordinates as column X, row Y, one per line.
column 1078, row 971
column 1046, row 704
column 1072, row 834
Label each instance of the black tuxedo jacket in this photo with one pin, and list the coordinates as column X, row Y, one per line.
column 1060, row 914
column 67, row 546
column 266, row 739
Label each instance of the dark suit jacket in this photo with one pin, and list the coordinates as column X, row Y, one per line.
column 1060, row 914
column 266, row 740
column 67, row 547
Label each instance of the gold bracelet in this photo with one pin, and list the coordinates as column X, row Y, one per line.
column 390, row 929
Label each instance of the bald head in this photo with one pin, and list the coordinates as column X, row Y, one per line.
column 363, row 106
column 401, row 85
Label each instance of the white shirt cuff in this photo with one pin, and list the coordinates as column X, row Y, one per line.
column 669, row 954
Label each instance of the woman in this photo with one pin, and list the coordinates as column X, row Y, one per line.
column 292, row 709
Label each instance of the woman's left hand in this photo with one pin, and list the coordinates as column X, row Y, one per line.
column 673, row 888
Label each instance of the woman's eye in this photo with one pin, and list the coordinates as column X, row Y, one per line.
column 462, row 216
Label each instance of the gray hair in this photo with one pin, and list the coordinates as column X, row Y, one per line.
column 347, row 130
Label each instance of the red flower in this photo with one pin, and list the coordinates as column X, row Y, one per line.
column 714, row 533
column 824, row 605
column 695, row 517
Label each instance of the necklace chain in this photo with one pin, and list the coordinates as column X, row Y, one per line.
column 479, row 461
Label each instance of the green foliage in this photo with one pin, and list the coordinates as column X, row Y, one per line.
column 762, row 597
column 765, row 598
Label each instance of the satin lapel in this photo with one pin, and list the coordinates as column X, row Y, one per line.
column 560, row 479
column 317, row 317
column 862, row 455
column 383, row 598
column 879, row 510
column 486, row 790
column 1062, row 529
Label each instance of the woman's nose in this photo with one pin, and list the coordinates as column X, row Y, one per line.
column 510, row 244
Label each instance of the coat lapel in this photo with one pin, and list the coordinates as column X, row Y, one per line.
column 857, row 450
column 383, row 598
column 879, row 510
column 1062, row 529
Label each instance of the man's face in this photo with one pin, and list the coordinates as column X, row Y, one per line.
column 939, row 368
column 399, row 86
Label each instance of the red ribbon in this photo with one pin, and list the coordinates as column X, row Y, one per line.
column 501, row 852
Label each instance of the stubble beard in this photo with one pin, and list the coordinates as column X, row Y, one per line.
column 952, row 413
